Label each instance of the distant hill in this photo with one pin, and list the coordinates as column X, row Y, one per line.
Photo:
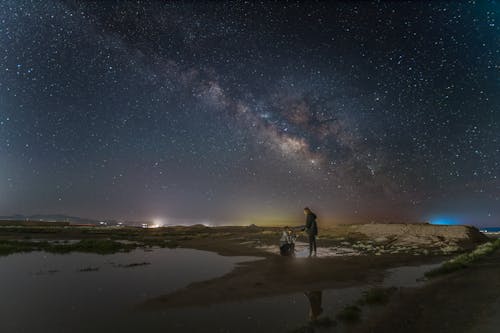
column 50, row 218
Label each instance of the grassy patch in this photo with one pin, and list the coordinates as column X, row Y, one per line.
column 135, row 264
column 49, row 272
column 9, row 246
column 377, row 296
column 323, row 322
column 89, row 269
column 99, row 246
column 463, row 260
column 159, row 242
column 31, row 229
column 350, row 313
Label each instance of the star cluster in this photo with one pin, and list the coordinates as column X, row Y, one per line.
column 247, row 111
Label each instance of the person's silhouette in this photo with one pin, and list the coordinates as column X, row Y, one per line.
column 315, row 309
column 311, row 228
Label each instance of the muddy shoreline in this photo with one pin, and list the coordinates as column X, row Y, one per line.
column 378, row 248
column 281, row 275
column 465, row 301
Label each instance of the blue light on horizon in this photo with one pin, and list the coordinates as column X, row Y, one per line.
column 444, row 221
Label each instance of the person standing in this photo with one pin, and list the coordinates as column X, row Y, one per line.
column 311, row 229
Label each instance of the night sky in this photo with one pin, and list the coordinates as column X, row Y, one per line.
column 246, row 112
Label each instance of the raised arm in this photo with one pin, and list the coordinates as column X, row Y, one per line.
column 309, row 220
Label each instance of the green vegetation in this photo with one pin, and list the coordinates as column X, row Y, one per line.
column 350, row 313
column 56, row 239
column 99, row 246
column 465, row 259
column 9, row 247
column 323, row 322
column 159, row 242
column 377, row 296
column 135, row 264
column 50, row 271
column 31, row 229
column 89, row 269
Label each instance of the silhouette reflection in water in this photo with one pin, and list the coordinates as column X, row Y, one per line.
column 315, row 308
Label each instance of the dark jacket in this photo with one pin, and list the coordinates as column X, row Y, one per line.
column 311, row 226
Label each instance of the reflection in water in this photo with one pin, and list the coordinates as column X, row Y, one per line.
column 315, row 309
column 56, row 291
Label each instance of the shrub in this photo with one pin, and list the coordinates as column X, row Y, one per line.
column 350, row 313
column 377, row 296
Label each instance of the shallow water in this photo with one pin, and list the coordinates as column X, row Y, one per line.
column 407, row 276
column 43, row 292
column 302, row 250
column 280, row 313
column 48, row 293
column 271, row 314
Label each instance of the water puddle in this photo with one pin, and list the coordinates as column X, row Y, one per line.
column 281, row 313
column 407, row 276
column 88, row 292
column 82, row 292
column 302, row 250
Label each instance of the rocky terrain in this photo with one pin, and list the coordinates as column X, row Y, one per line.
column 380, row 239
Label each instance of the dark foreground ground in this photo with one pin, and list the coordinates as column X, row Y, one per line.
column 467, row 300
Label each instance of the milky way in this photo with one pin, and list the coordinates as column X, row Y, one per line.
column 246, row 112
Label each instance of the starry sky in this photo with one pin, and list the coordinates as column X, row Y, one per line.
column 245, row 112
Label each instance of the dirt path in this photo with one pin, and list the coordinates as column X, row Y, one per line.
column 467, row 301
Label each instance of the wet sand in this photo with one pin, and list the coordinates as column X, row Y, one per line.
column 282, row 275
column 465, row 301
